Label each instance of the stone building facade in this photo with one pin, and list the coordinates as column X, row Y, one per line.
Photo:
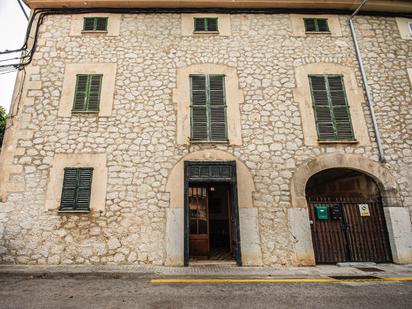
column 139, row 141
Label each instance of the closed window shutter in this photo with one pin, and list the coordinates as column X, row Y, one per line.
column 80, row 96
column 208, row 108
column 331, row 110
column 199, row 108
column 88, row 24
column 322, row 25
column 341, row 113
column 68, row 200
column 217, row 108
column 211, row 24
column 84, row 188
column 310, row 25
column 76, row 189
column 94, row 92
column 101, row 24
column 316, row 25
column 206, row 24
column 87, row 94
column 200, row 24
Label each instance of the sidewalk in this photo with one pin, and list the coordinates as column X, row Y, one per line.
column 213, row 270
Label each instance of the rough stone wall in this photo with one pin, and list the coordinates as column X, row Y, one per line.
column 140, row 136
column 387, row 58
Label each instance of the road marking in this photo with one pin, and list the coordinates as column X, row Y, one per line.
column 290, row 280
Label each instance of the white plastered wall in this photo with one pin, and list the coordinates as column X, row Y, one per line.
column 99, row 180
column 248, row 215
column 234, row 97
column 69, row 86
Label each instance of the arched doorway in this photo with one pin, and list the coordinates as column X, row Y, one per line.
column 346, row 217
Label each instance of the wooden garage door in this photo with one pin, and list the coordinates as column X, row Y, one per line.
column 354, row 230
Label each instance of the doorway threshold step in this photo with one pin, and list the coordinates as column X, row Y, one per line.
column 356, row 264
column 212, row 263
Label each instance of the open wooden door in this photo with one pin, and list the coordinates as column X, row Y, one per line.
column 199, row 245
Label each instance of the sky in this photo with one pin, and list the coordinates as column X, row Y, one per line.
column 12, row 30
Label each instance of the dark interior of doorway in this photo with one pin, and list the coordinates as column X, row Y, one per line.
column 219, row 223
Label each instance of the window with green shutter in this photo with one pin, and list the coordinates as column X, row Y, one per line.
column 316, row 25
column 95, row 24
column 331, row 108
column 87, row 94
column 206, row 24
column 77, row 184
column 208, row 108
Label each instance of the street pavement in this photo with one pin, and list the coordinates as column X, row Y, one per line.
column 205, row 287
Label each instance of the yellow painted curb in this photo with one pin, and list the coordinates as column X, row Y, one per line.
column 291, row 280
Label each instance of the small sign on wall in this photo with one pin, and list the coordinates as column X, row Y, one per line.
column 364, row 210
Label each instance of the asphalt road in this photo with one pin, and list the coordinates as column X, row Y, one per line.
column 138, row 292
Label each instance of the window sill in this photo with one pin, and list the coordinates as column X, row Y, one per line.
column 86, row 112
column 209, row 142
column 94, row 31
column 73, row 211
column 337, row 142
column 206, row 32
column 318, row 32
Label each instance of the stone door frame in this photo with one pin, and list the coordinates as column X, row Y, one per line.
column 231, row 179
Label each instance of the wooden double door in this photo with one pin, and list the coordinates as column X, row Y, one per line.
column 210, row 221
column 348, row 230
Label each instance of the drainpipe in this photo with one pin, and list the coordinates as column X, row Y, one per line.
column 365, row 83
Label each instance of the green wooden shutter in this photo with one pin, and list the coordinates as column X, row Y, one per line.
column 206, row 24
column 87, row 94
column 88, row 24
column 341, row 114
column 200, row 24
column 310, row 25
column 331, row 109
column 211, row 24
column 101, row 24
column 217, row 108
column 322, row 25
column 68, row 200
column 199, row 114
column 316, row 25
column 84, row 188
column 94, row 92
column 80, row 95
column 76, row 189
column 208, row 108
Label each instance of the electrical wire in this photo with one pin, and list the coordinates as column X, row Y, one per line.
column 22, row 8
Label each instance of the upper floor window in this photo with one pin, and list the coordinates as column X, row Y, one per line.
column 332, row 116
column 316, row 25
column 95, row 24
column 76, row 193
column 87, row 93
column 208, row 108
column 205, row 24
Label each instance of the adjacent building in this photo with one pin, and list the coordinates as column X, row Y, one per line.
column 164, row 132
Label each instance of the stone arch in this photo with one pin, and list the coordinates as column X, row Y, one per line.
column 386, row 182
column 234, row 98
column 249, row 234
column 397, row 217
